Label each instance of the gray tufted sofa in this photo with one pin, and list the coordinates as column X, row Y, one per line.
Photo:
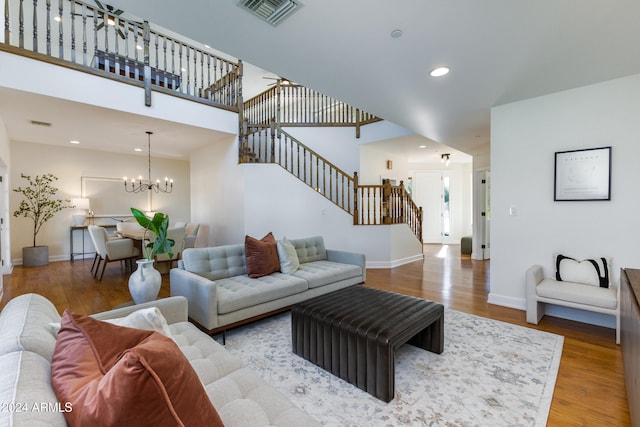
column 221, row 295
column 27, row 344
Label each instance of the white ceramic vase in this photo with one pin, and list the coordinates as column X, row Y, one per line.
column 145, row 282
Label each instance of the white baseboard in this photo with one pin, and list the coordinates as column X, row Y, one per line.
column 505, row 301
column 394, row 263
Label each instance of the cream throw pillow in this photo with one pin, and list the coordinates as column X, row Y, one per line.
column 289, row 261
column 148, row 319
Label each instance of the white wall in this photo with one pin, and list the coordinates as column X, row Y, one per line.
column 18, row 72
column 5, row 241
column 217, row 187
column 275, row 201
column 525, row 135
column 69, row 165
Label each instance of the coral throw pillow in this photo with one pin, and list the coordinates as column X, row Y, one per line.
column 261, row 256
column 115, row 376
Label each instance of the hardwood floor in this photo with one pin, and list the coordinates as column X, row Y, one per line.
column 590, row 386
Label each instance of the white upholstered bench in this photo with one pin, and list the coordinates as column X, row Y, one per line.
column 541, row 291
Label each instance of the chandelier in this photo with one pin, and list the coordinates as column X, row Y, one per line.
column 141, row 185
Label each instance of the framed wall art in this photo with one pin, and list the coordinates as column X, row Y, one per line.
column 582, row 175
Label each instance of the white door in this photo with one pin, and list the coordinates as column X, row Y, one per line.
column 484, row 222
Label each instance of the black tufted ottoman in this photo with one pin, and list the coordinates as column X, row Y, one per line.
column 354, row 333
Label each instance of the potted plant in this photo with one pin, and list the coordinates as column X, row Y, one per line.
column 39, row 205
column 145, row 282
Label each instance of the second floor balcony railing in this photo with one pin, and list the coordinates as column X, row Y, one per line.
column 102, row 41
column 295, row 105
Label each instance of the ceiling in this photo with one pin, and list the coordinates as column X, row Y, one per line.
column 499, row 51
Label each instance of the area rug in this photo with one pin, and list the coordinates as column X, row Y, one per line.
column 490, row 373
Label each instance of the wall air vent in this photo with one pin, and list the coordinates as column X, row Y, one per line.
column 271, row 11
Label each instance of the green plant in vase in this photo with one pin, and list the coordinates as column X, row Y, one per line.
column 158, row 225
column 145, row 282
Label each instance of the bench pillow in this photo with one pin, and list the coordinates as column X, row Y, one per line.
column 593, row 272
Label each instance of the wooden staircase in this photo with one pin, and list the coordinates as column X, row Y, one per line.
column 368, row 204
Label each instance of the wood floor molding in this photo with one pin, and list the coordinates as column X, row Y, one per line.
column 590, row 387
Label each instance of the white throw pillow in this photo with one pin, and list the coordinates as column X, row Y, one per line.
column 593, row 272
column 148, row 319
column 289, row 261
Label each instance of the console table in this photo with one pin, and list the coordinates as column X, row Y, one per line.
column 83, row 229
column 630, row 338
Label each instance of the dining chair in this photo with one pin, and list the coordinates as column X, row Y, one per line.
column 191, row 233
column 177, row 234
column 108, row 250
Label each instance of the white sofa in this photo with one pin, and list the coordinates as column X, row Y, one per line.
column 221, row 295
column 542, row 291
column 27, row 344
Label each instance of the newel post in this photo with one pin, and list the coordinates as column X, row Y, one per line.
column 355, row 198
column 146, row 37
column 386, row 199
column 272, row 151
column 403, row 193
column 7, row 33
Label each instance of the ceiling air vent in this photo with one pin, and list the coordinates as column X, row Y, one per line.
column 39, row 123
column 271, row 11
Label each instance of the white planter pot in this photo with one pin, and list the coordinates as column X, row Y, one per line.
column 145, row 282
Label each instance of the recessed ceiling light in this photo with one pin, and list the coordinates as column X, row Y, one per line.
column 422, row 146
column 396, row 34
column 137, row 149
column 73, row 141
column 439, row 72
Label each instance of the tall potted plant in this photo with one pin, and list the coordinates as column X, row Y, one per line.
column 145, row 282
column 40, row 205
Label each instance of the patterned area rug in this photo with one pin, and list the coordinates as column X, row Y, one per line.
column 490, row 374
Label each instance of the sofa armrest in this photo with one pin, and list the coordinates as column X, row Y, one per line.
column 201, row 294
column 347, row 257
column 173, row 309
column 533, row 276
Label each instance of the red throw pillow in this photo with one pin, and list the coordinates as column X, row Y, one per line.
column 261, row 256
column 113, row 376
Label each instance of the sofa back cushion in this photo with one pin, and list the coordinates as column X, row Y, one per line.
column 310, row 249
column 217, row 262
column 24, row 325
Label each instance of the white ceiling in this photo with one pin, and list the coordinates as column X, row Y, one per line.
column 498, row 50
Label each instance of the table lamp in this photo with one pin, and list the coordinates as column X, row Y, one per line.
column 82, row 205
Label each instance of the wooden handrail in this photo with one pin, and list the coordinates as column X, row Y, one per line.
column 296, row 105
column 368, row 204
column 88, row 38
column 270, row 144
